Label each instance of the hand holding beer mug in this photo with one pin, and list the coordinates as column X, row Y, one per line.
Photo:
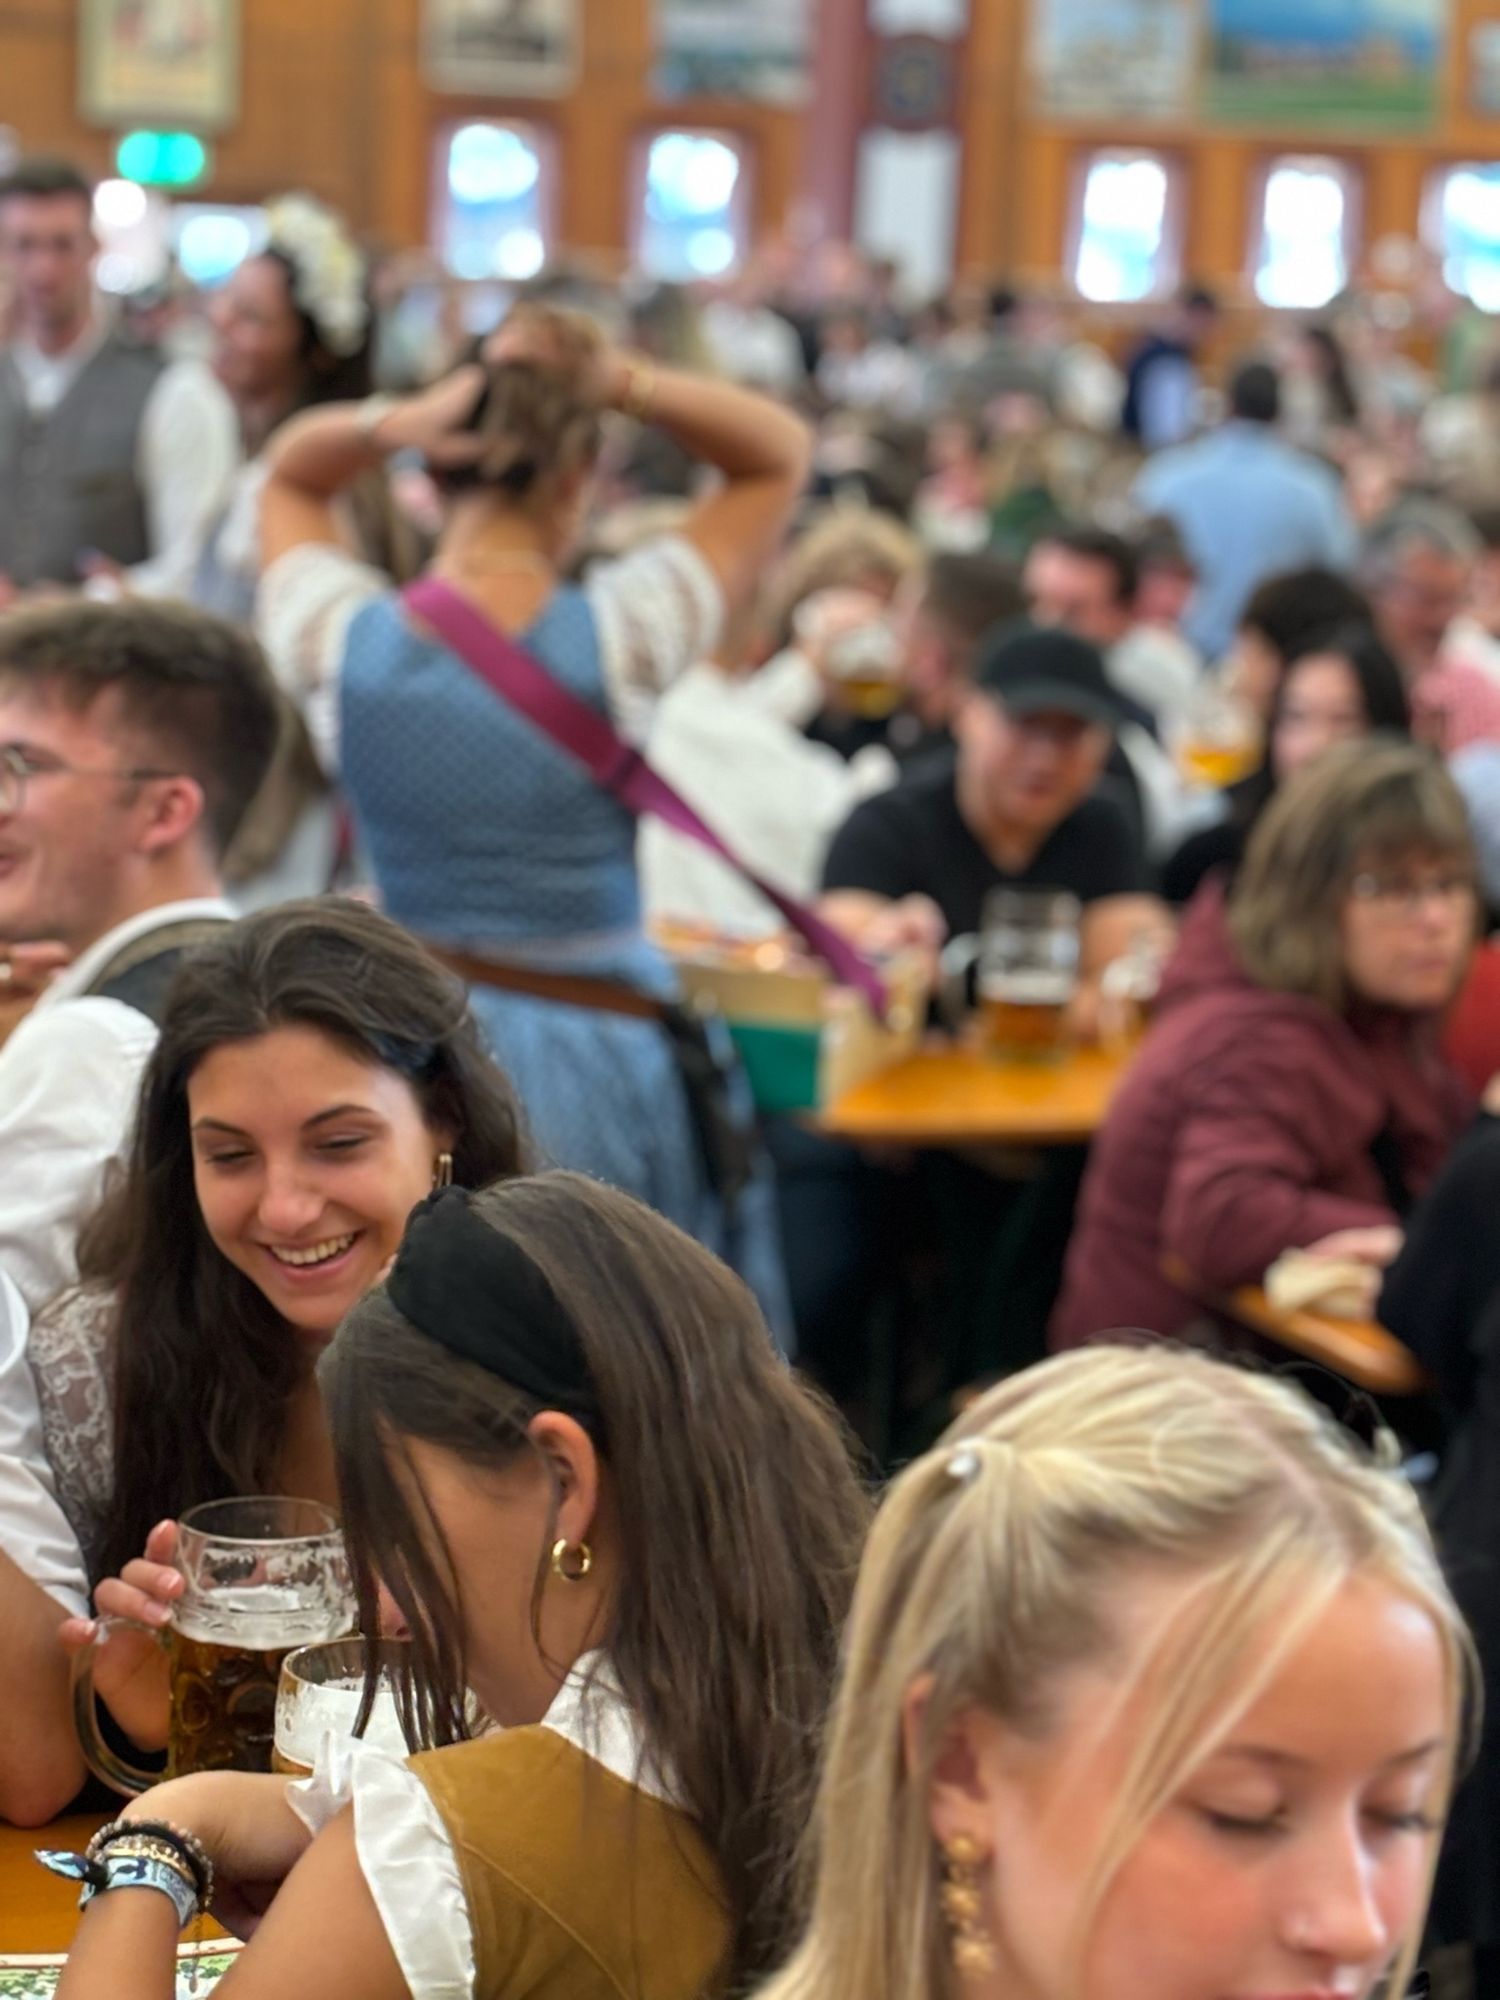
column 322, row 1689
column 1025, row 968
column 847, row 636
column 261, row 1577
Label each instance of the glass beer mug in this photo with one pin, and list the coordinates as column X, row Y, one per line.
column 262, row 1578
column 321, row 1690
column 1024, row 972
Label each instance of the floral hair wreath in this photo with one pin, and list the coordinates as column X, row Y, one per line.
column 328, row 270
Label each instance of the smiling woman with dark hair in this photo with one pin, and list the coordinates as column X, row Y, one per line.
column 317, row 1074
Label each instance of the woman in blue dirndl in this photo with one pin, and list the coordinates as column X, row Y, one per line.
column 484, row 836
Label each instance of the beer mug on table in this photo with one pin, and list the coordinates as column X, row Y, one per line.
column 262, row 1577
column 1027, row 962
column 321, row 1693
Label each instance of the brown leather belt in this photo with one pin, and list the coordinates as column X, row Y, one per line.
column 568, row 989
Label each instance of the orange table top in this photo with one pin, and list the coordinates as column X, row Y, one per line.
column 1359, row 1350
column 38, row 1911
column 949, row 1095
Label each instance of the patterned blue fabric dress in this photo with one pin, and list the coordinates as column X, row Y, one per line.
column 484, row 835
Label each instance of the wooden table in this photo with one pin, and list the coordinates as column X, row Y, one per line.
column 38, row 1911
column 950, row 1096
column 1359, row 1350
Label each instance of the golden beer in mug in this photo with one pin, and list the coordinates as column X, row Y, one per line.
column 262, row 1578
column 1027, row 973
column 1023, row 1016
column 320, row 1695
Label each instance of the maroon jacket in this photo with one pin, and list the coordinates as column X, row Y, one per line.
column 1243, row 1129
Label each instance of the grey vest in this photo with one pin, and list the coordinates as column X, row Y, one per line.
column 68, row 480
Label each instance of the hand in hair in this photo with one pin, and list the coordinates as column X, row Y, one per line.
column 130, row 1673
column 437, row 422
column 561, row 343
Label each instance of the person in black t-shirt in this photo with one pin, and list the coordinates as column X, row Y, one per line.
column 1011, row 805
column 1011, row 809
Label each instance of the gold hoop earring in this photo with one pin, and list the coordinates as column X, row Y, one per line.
column 962, row 1900
column 442, row 1171
column 578, row 1554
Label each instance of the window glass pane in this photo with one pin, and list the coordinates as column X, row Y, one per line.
column 1468, row 233
column 1122, row 236
column 1304, row 256
column 692, row 223
column 492, row 217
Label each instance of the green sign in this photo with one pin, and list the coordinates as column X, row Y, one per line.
column 162, row 159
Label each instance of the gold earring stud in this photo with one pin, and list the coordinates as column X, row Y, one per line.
column 571, row 1561
column 962, row 1898
column 442, row 1171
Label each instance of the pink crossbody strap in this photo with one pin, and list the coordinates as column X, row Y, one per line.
column 613, row 764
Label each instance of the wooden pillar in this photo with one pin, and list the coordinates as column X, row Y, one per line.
column 834, row 120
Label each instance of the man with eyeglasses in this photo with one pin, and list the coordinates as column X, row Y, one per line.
column 132, row 739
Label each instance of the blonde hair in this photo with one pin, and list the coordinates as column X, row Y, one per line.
column 845, row 547
column 1358, row 806
column 992, row 1568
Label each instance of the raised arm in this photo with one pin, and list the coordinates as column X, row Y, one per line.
column 762, row 450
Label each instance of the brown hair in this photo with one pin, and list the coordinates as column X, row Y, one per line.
column 969, row 595
column 540, row 423
column 739, row 1513
column 203, row 1365
column 1361, row 805
column 195, row 689
column 44, row 178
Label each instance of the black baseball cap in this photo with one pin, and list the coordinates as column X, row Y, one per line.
column 1039, row 670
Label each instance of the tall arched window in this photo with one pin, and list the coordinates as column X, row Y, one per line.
column 493, row 218
column 694, row 206
column 1124, row 235
column 1462, row 224
column 1307, row 223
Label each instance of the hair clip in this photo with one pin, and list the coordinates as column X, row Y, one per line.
column 963, row 1467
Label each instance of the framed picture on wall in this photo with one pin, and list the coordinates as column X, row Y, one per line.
column 1130, row 59
column 754, row 49
column 159, row 61
column 1484, row 67
column 501, row 48
column 1346, row 64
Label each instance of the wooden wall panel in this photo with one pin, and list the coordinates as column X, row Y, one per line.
column 334, row 102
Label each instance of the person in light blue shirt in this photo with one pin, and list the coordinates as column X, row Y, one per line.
column 1248, row 506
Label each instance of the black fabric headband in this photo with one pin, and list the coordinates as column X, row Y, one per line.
column 467, row 1286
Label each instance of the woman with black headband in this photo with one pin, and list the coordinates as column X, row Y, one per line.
column 569, row 1454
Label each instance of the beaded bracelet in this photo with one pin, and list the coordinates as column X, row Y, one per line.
column 188, row 1847
column 639, row 399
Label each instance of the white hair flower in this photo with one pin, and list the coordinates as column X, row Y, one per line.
column 328, row 270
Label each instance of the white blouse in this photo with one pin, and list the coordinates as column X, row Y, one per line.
column 404, row 1850
column 658, row 611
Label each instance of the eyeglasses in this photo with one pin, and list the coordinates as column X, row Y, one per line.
column 17, row 769
column 1404, row 896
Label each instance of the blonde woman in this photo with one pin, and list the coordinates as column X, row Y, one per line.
column 1153, row 1691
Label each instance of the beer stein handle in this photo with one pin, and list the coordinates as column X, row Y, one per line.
column 104, row 1762
column 955, row 998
